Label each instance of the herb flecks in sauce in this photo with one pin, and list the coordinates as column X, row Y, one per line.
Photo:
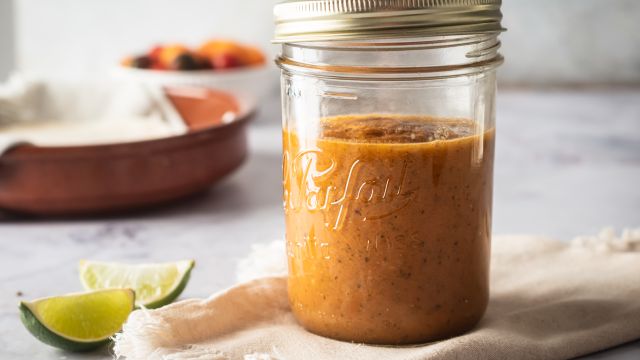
column 388, row 224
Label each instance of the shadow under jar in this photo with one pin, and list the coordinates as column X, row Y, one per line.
column 388, row 147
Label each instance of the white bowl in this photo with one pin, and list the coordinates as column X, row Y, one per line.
column 248, row 84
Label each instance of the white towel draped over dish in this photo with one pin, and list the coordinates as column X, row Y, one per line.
column 52, row 112
column 549, row 300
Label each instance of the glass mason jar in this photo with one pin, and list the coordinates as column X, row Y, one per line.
column 388, row 147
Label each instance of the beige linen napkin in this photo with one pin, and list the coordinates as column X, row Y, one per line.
column 549, row 300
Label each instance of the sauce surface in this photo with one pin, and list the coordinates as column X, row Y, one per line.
column 388, row 222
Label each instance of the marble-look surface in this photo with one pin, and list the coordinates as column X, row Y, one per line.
column 568, row 163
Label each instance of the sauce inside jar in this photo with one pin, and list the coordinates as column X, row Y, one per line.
column 388, row 226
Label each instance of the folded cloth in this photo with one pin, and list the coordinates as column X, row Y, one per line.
column 549, row 300
column 9, row 142
column 55, row 112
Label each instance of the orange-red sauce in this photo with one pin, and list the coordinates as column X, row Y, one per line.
column 388, row 227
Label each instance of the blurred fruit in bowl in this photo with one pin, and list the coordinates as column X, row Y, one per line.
column 169, row 54
column 224, row 54
column 141, row 62
column 217, row 64
column 154, row 54
column 225, row 61
column 189, row 62
column 211, row 55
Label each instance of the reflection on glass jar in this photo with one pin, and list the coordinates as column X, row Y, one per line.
column 388, row 146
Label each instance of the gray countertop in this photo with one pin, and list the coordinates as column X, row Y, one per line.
column 568, row 163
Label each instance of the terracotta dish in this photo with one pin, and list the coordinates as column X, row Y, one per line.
column 81, row 180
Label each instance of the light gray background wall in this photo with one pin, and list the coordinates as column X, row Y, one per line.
column 548, row 42
column 571, row 41
column 6, row 38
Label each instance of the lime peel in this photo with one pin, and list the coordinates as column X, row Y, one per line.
column 78, row 322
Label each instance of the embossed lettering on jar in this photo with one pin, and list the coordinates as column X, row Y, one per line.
column 388, row 146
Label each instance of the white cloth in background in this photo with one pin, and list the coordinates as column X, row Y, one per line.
column 549, row 300
column 53, row 112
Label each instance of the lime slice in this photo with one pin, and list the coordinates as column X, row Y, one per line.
column 78, row 322
column 155, row 285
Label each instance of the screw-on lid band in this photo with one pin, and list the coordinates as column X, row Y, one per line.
column 321, row 20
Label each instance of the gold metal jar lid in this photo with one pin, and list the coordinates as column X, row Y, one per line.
column 321, row 20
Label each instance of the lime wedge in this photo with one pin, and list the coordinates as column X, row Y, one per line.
column 78, row 322
column 155, row 285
